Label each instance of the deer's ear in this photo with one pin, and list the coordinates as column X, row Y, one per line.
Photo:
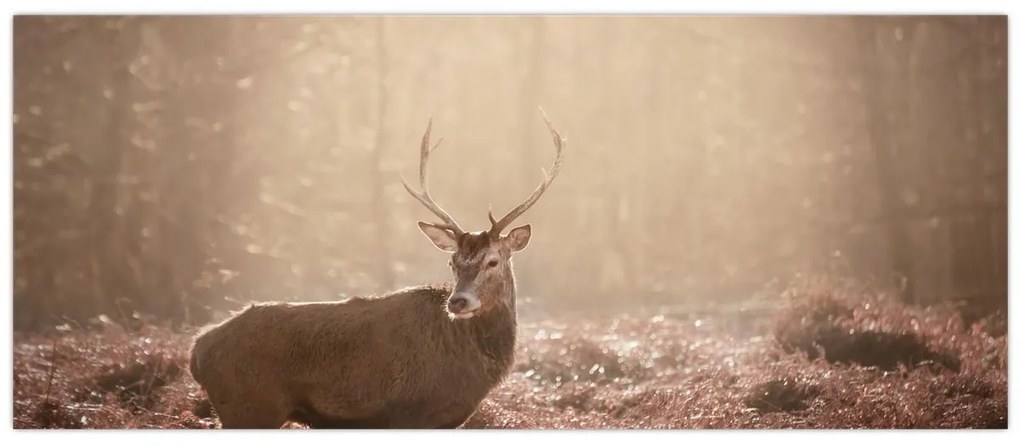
column 442, row 238
column 518, row 237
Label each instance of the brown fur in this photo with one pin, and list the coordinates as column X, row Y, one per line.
column 398, row 360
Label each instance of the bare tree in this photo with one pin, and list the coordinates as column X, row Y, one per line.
column 380, row 205
column 883, row 146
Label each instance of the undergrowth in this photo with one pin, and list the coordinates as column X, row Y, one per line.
column 835, row 357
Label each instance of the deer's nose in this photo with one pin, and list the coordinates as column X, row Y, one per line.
column 458, row 303
column 463, row 304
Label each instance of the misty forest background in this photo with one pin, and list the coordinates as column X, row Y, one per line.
column 178, row 166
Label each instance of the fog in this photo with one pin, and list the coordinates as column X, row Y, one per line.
column 176, row 166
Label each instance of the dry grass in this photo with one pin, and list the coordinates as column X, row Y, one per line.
column 832, row 360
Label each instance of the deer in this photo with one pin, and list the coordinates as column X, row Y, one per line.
column 421, row 357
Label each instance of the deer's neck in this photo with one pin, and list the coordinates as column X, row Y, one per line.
column 495, row 331
column 509, row 295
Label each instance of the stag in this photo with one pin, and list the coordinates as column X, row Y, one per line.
column 421, row 357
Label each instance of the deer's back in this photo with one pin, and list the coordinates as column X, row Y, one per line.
column 310, row 335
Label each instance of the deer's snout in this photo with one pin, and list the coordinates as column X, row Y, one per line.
column 463, row 304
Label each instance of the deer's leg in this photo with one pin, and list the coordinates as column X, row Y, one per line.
column 460, row 419
column 249, row 412
column 368, row 423
column 425, row 416
column 455, row 424
column 409, row 416
column 252, row 418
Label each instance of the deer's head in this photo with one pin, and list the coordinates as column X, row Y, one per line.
column 480, row 261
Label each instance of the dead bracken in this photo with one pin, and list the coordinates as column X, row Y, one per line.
column 842, row 330
column 624, row 371
column 136, row 383
column 784, row 394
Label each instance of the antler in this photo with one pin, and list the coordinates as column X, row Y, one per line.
column 498, row 226
column 424, row 196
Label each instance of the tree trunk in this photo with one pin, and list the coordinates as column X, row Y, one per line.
column 380, row 207
column 883, row 146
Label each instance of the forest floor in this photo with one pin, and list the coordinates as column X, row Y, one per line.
column 826, row 359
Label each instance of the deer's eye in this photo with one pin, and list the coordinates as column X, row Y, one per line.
column 492, row 263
